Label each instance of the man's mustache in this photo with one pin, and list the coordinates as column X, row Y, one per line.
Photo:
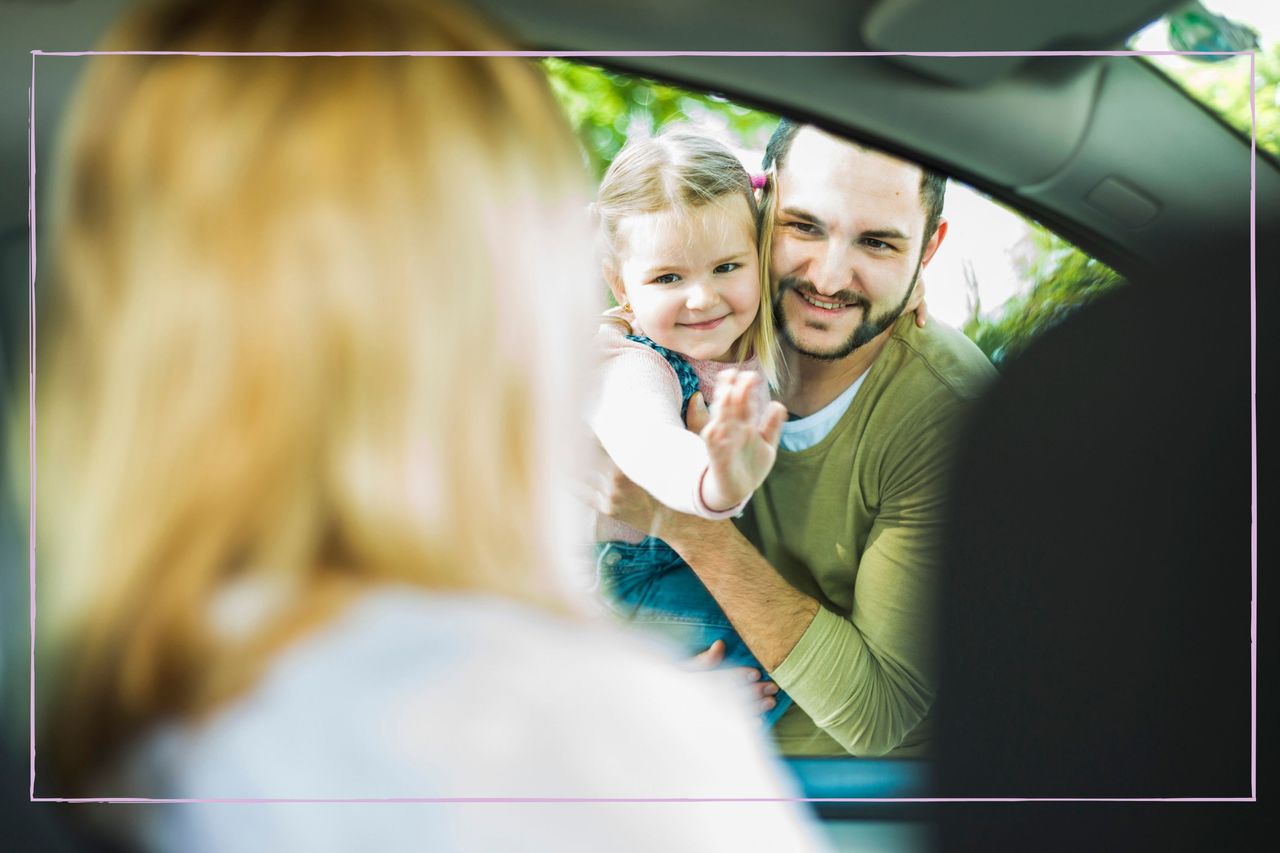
column 804, row 287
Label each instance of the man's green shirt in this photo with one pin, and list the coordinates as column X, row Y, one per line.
column 854, row 521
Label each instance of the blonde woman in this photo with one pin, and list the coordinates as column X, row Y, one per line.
column 310, row 383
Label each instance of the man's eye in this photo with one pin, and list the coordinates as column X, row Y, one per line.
column 724, row 268
column 803, row 227
column 666, row 278
column 878, row 245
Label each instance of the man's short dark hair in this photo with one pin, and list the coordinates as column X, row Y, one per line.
column 933, row 185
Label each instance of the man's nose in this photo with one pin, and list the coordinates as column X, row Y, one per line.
column 834, row 271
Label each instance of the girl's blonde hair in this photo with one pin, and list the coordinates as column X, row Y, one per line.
column 316, row 329
column 678, row 170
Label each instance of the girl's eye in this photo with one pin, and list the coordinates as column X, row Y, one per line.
column 666, row 278
column 724, row 268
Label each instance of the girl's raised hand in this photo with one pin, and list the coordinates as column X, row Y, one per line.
column 741, row 443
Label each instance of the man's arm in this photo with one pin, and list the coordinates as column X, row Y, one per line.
column 769, row 614
column 863, row 680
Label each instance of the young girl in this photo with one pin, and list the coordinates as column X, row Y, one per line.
column 679, row 228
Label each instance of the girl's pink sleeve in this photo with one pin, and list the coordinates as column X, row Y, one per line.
column 637, row 419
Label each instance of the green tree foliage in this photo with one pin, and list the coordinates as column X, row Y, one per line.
column 1224, row 88
column 605, row 107
column 1060, row 277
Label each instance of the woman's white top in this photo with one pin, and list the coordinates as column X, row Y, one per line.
column 409, row 694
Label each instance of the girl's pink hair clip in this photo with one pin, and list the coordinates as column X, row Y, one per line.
column 758, row 181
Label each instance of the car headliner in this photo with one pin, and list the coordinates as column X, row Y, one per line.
column 1104, row 149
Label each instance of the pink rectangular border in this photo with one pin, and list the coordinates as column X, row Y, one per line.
column 1253, row 286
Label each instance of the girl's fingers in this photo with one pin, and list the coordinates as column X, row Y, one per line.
column 724, row 387
column 735, row 397
column 740, row 391
column 749, row 397
column 771, row 429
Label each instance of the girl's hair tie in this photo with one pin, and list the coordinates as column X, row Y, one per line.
column 758, row 181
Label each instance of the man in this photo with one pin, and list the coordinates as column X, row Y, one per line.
column 830, row 579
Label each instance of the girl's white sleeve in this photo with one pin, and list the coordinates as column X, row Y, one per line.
column 637, row 419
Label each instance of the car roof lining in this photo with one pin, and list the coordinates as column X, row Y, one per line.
column 1033, row 137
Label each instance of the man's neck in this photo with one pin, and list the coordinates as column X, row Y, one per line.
column 814, row 383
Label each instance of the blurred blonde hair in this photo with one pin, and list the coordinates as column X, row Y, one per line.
column 317, row 328
column 678, row 170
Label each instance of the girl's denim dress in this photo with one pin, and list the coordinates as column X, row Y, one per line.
column 649, row 584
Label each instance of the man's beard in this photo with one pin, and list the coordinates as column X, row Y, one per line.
column 863, row 333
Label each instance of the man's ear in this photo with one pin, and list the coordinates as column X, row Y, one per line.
column 934, row 242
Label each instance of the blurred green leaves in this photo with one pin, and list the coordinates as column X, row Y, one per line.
column 1223, row 85
column 1226, row 91
column 1060, row 278
column 1195, row 28
column 605, row 107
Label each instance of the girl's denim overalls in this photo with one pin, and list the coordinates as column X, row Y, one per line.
column 649, row 584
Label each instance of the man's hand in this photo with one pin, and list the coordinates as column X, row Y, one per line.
column 610, row 492
column 741, row 445
column 917, row 303
column 759, row 692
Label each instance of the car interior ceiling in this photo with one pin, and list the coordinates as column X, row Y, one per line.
column 1102, row 149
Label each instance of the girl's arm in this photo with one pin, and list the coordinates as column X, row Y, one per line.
column 637, row 419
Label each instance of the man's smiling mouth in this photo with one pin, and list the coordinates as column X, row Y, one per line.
column 818, row 303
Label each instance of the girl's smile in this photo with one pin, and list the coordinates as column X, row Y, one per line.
column 706, row 326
